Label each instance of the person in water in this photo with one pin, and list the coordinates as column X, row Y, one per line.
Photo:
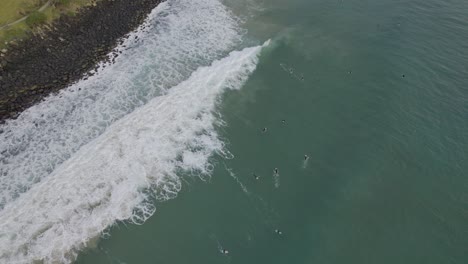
column 277, row 231
column 264, row 130
column 256, row 176
column 276, row 171
column 225, row 251
column 306, row 157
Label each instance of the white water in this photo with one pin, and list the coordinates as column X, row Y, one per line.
column 276, row 178
column 180, row 36
column 112, row 177
column 81, row 160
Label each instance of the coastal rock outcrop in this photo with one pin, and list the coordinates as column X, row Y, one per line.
column 63, row 53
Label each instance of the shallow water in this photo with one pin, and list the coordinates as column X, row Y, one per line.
column 374, row 92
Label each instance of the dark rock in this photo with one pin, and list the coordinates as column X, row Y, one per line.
column 45, row 63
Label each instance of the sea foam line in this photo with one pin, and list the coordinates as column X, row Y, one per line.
column 178, row 37
column 108, row 179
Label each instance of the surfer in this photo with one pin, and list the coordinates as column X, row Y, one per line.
column 256, row 176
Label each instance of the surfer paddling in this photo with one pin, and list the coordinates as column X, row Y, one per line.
column 255, row 176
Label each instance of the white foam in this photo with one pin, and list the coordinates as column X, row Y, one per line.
column 233, row 175
column 276, row 179
column 112, row 177
column 178, row 37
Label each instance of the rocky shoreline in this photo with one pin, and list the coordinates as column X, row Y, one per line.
column 72, row 46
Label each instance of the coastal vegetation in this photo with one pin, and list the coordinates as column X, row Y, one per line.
column 18, row 18
column 36, row 18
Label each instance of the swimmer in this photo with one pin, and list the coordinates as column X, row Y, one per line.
column 306, row 157
column 403, row 76
column 277, row 231
column 225, row 251
column 276, row 171
column 264, row 130
column 283, row 121
column 256, row 176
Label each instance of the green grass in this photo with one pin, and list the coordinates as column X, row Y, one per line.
column 63, row 2
column 36, row 18
column 13, row 33
column 12, row 10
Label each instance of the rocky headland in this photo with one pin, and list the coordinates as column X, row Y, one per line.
column 65, row 51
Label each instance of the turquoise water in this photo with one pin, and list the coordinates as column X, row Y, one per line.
column 382, row 111
column 153, row 159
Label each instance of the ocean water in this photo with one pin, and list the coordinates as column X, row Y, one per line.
column 154, row 158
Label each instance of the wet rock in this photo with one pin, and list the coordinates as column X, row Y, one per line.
column 65, row 53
